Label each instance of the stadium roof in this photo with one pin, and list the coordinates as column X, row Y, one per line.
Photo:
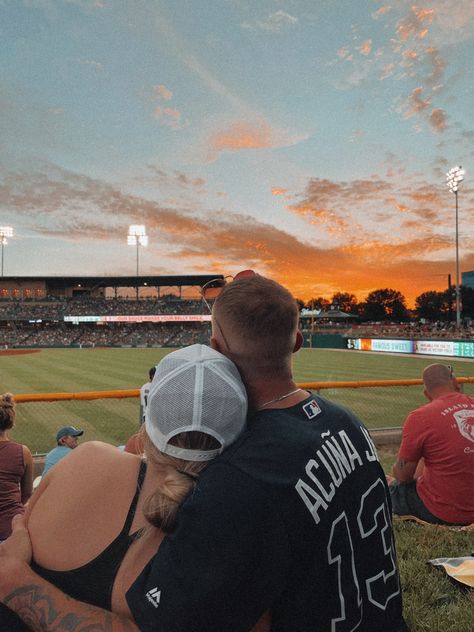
column 62, row 282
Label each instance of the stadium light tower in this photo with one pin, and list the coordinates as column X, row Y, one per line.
column 5, row 233
column 453, row 178
column 137, row 237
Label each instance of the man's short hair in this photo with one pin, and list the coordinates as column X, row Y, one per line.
column 151, row 373
column 436, row 375
column 259, row 318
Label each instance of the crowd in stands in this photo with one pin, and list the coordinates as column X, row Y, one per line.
column 412, row 331
column 57, row 309
column 41, row 322
column 110, row 335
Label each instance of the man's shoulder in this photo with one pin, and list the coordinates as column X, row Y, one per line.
column 438, row 405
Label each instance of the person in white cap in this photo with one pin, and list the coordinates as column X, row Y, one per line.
column 197, row 407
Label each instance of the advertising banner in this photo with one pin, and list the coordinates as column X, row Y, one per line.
column 454, row 349
column 137, row 318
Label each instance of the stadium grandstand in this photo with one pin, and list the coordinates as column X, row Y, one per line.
column 103, row 311
column 158, row 311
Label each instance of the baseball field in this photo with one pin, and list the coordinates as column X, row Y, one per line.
column 113, row 420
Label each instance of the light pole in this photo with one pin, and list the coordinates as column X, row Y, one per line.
column 453, row 178
column 137, row 237
column 5, row 232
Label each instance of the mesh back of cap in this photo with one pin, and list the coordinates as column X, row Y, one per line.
column 197, row 389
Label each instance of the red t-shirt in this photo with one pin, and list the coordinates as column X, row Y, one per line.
column 442, row 432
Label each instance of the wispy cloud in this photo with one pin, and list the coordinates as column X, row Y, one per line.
column 244, row 135
column 274, row 23
column 162, row 92
column 92, row 63
column 169, row 116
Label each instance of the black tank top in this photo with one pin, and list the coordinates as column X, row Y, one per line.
column 94, row 581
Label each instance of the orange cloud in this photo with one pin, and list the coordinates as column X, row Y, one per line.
column 365, row 47
column 416, row 103
column 248, row 135
column 169, row 116
column 242, row 136
column 438, row 119
column 279, row 191
column 162, row 92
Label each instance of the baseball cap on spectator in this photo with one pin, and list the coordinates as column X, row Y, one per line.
column 195, row 389
column 68, row 431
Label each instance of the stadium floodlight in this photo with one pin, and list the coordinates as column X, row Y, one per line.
column 137, row 237
column 5, row 233
column 453, row 179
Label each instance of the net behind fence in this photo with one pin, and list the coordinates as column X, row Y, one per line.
column 114, row 418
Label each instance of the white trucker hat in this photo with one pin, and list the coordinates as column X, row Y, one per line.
column 195, row 389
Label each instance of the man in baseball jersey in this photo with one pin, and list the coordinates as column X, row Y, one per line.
column 294, row 519
column 434, row 471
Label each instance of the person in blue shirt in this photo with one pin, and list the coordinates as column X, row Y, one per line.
column 67, row 440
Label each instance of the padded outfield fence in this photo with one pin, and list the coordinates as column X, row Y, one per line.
column 112, row 416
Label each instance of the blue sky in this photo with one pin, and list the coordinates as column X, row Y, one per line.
column 309, row 140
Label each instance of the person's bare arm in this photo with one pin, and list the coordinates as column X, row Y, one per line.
column 42, row 606
column 26, row 483
column 404, row 471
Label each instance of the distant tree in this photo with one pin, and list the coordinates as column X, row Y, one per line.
column 318, row 303
column 301, row 304
column 433, row 305
column 385, row 304
column 346, row 302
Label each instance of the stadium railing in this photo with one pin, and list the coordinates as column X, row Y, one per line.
column 113, row 416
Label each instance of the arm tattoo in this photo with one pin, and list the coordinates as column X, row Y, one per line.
column 401, row 463
column 41, row 614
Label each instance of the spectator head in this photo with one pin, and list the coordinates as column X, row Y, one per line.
column 197, row 406
column 255, row 323
column 438, row 380
column 7, row 412
column 151, row 373
column 68, row 436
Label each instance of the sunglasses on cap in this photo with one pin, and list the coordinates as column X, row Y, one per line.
column 213, row 288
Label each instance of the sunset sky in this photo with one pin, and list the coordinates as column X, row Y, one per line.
column 308, row 139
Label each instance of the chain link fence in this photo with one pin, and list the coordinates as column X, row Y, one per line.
column 114, row 417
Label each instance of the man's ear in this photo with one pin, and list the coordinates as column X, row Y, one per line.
column 214, row 344
column 299, row 341
column 457, row 388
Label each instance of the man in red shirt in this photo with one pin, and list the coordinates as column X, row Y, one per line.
column 434, row 471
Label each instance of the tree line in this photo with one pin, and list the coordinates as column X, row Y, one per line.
column 390, row 305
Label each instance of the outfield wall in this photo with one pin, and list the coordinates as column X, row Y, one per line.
column 450, row 348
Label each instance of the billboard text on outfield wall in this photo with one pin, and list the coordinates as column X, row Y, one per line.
column 455, row 349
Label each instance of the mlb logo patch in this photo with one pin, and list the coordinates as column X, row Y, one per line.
column 312, row 409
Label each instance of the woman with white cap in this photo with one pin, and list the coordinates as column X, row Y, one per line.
column 100, row 515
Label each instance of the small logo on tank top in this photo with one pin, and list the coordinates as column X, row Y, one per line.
column 312, row 409
column 153, row 596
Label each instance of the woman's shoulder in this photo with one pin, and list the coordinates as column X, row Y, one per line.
column 92, row 462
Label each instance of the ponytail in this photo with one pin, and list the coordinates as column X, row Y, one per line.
column 7, row 412
column 176, row 478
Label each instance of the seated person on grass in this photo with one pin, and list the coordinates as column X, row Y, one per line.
column 434, row 471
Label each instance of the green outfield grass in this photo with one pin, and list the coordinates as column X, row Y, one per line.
column 72, row 370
